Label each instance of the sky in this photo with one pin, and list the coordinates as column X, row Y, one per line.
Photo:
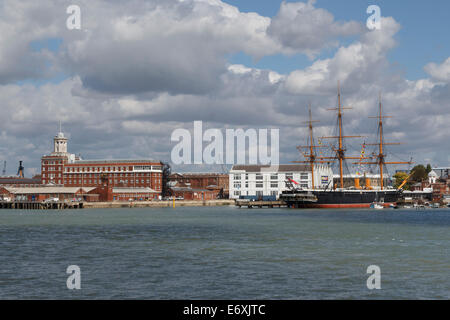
column 138, row 70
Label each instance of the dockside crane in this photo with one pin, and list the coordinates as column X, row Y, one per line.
column 20, row 171
column 400, row 187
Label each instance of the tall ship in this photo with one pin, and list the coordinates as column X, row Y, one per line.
column 339, row 195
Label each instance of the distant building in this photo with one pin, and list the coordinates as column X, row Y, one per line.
column 20, row 182
column 216, row 184
column 440, row 189
column 188, row 193
column 432, row 177
column 134, row 194
column 263, row 180
column 61, row 168
column 37, row 194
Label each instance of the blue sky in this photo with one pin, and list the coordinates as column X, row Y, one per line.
column 415, row 47
column 138, row 80
column 423, row 38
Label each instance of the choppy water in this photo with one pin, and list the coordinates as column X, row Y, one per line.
column 225, row 253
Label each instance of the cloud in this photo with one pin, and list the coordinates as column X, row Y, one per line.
column 176, row 47
column 439, row 72
column 300, row 27
column 142, row 69
column 362, row 62
column 21, row 24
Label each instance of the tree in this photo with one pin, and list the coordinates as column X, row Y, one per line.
column 419, row 173
column 399, row 177
column 429, row 169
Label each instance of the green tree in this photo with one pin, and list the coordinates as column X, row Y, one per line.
column 429, row 169
column 419, row 173
column 399, row 177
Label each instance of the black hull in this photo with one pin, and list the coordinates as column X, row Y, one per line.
column 342, row 199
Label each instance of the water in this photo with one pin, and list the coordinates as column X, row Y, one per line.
column 224, row 253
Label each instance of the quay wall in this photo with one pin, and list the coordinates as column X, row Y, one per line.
column 158, row 204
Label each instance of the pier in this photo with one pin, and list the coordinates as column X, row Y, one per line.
column 260, row 204
column 34, row 205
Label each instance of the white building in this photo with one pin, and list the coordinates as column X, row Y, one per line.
column 261, row 180
column 432, row 177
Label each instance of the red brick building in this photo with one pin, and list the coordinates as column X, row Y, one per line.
column 64, row 169
column 38, row 194
column 185, row 193
column 20, row 182
column 440, row 189
column 213, row 182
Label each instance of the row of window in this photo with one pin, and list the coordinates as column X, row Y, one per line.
column 116, row 181
column 258, row 193
column 113, row 175
column 53, row 162
column 260, row 185
column 90, row 181
column 273, row 176
column 112, row 169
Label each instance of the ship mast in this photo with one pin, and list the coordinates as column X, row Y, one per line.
column 311, row 157
column 381, row 155
column 340, row 151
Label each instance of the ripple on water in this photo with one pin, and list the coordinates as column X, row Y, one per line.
column 224, row 253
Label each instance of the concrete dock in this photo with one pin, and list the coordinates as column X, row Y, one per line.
column 35, row 205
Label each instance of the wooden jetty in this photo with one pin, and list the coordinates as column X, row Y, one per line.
column 260, row 204
column 35, row 205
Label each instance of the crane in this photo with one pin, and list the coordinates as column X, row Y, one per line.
column 405, row 181
column 20, row 170
column 407, row 178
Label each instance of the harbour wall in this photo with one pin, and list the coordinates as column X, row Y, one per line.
column 158, row 204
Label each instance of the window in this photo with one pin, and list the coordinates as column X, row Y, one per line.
column 259, row 185
column 237, row 177
column 289, row 176
column 259, row 176
column 237, row 193
column 237, row 185
column 274, row 177
column 304, row 176
column 274, row 184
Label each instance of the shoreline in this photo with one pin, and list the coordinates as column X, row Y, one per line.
column 158, row 204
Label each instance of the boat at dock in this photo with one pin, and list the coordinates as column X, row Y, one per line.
column 338, row 196
column 377, row 205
